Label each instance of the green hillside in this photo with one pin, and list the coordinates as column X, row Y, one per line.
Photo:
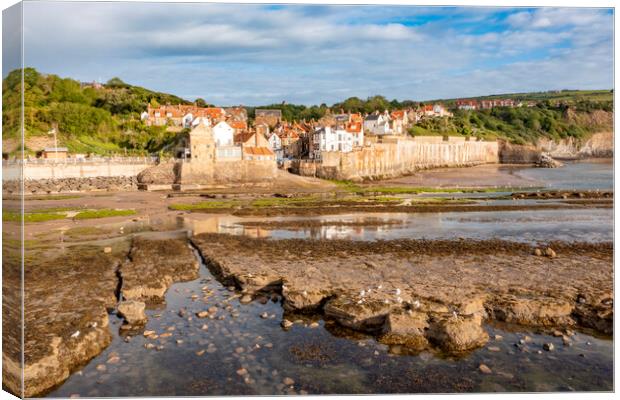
column 93, row 120
column 107, row 120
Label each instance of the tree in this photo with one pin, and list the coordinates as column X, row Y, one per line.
column 116, row 82
column 201, row 102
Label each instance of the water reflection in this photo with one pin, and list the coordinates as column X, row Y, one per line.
column 524, row 226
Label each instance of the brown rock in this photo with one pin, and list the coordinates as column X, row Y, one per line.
column 457, row 334
column 132, row 311
column 406, row 329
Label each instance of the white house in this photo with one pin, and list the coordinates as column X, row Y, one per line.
column 275, row 144
column 377, row 124
column 328, row 139
column 223, row 134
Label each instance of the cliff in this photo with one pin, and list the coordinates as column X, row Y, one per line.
column 596, row 145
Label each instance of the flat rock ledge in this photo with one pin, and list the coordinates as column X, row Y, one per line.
column 154, row 265
column 67, row 325
column 422, row 293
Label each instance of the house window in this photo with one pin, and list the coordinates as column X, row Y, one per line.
column 169, row 114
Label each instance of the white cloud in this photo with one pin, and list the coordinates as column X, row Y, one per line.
column 234, row 54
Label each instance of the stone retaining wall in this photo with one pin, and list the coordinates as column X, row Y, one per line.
column 400, row 157
column 66, row 185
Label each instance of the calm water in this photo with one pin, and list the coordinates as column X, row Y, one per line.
column 592, row 225
column 325, row 359
column 578, row 175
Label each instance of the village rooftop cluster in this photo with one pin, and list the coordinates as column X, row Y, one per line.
column 270, row 136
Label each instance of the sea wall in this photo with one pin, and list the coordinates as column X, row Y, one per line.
column 77, row 169
column 226, row 172
column 400, row 157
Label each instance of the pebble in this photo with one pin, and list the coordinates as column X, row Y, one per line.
column 548, row 346
column 149, row 346
column 107, row 249
column 204, row 327
column 245, row 299
column 550, row 253
column 212, row 309
column 286, row 324
column 114, row 360
column 179, row 341
column 101, row 367
column 314, row 325
column 484, row 369
column 288, row 381
column 557, row 333
column 499, row 337
column 148, row 333
column 538, row 252
column 202, row 314
column 242, row 371
column 239, row 350
column 264, row 315
column 165, row 335
column 493, row 348
column 200, row 352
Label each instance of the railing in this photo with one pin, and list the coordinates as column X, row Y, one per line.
column 80, row 161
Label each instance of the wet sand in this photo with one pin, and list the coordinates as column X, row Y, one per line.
column 488, row 175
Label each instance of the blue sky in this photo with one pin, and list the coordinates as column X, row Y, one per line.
column 258, row 54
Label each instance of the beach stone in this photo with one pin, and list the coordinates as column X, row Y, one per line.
column 485, row 369
column 538, row 252
column 458, row 334
column 107, row 250
column 406, row 328
column 264, row 315
column 548, row 346
column 286, row 324
column 549, row 252
column 242, row 371
column 245, row 299
column 101, row 368
column 202, row 314
column 132, row 311
column 288, row 381
column 493, row 348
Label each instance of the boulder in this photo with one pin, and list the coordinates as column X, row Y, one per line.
column 161, row 174
column 132, row 311
column 546, row 161
column 406, row 328
column 458, row 333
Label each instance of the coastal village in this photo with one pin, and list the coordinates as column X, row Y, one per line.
column 269, row 136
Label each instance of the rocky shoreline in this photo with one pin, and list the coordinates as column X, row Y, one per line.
column 399, row 290
column 66, row 325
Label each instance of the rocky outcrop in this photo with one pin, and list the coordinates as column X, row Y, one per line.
column 597, row 145
column 164, row 173
column 65, row 324
column 547, row 161
column 132, row 311
column 67, row 185
column 153, row 265
column 421, row 293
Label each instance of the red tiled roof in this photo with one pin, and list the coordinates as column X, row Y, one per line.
column 258, row 151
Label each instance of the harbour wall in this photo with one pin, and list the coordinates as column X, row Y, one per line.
column 400, row 156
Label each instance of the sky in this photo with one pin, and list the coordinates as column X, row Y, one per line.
column 234, row 54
